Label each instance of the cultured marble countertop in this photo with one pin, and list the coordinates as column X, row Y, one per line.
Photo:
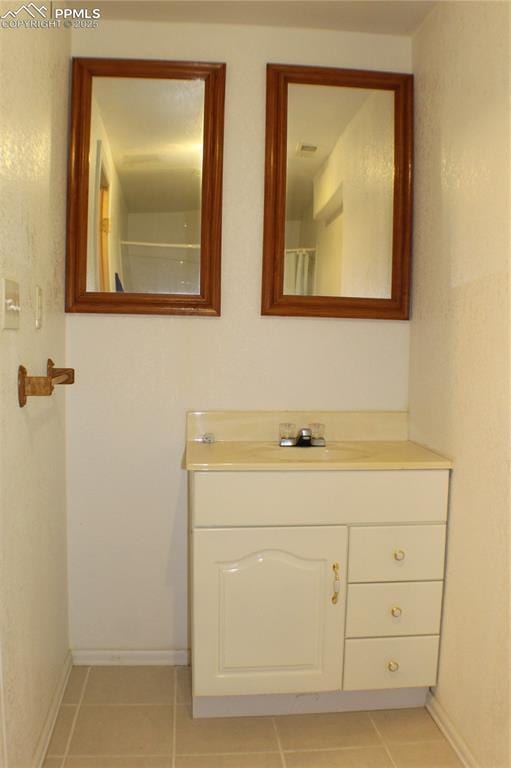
column 245, row 456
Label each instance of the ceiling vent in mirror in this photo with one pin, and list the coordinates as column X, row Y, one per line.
column 306, row 149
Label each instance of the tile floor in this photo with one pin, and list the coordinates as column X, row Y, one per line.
column 139, row 717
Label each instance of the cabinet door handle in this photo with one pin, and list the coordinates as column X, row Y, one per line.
column 393, row 666
column 337, row 582
column 399, row 555
column 396, row 611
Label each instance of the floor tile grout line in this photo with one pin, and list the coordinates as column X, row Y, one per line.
column 120, row 704
column 75, row 718
column 385, row 745
column 174, row 722
column 145, row 755
column 264, row 752
column 279, row 743
column 350, row 748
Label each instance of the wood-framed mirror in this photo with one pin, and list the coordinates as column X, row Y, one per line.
column 145, row 187
column 338, row 193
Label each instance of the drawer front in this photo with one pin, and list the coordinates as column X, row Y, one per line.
column 397, row 553
column 384, row 610
column 398, row 662
column 318, row 498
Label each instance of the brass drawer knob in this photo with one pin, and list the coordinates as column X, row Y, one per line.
column 396, row 611
column 393, row 666
column 399, row 555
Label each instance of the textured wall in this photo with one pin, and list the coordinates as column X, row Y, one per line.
column 138, row 375
column 33, row 606
column 459, row 382
column 357, row 179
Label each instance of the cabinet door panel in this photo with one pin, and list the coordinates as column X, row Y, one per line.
column 263, row 617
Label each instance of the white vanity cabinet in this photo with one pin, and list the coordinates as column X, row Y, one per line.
column 309, row 581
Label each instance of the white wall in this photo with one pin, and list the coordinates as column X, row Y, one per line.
column 136, row 376
column 117, row 206
column 359, row 173
column 368, row 144
column 459, row 374
column 329, row 258
column 34, row 68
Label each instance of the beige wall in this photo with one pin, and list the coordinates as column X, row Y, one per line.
column 459, row 373
column 368, row 142
column 138, row 375
column 329, row 258
column 33, row 604
column 361, row 165
column 117, row 206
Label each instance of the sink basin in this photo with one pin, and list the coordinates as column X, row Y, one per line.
column 332, row 452
column 268, row 456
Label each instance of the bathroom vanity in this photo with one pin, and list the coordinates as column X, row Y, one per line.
column 314, row 569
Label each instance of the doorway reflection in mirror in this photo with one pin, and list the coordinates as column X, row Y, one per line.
column 145, row 178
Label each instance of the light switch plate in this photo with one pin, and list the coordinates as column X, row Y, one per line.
column 9, row 305
column 38, row 307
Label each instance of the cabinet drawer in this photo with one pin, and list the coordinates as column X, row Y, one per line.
column 383, row 610
column 397, row 553
column 398, row 662
column 318, row 498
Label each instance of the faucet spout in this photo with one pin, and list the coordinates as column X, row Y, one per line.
column 303, row 439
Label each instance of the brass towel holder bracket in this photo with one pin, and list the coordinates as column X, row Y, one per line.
column 42, row 386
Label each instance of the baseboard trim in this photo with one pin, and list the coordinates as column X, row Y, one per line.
column 447, row 727
column 86, row 658
column 49, row 723
column 306, row 703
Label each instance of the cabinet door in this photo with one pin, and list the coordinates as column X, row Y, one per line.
column 263, row 616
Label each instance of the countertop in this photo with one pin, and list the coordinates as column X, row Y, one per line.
column 235, row 456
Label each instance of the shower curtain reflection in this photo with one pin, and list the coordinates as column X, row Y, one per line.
column 299, row 271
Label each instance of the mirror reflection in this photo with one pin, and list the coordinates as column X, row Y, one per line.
column 339, row 191
column 145, row 185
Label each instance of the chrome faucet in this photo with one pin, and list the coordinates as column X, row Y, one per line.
column 304, row 438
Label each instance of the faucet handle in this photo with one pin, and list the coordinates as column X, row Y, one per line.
column 318, row 434
column 287, row 433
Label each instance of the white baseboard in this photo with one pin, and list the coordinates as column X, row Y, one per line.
column 44, row 739
column 445, row 724
column 306, row 703
column 131, row 658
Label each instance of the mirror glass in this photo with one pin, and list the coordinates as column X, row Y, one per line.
column 339, row 191
column 145, row 187
column 145, row 172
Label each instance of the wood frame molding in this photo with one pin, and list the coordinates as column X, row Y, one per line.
column 207, row 302
column 274, row 302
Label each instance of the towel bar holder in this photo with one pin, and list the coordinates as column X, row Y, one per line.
column 42, row 386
